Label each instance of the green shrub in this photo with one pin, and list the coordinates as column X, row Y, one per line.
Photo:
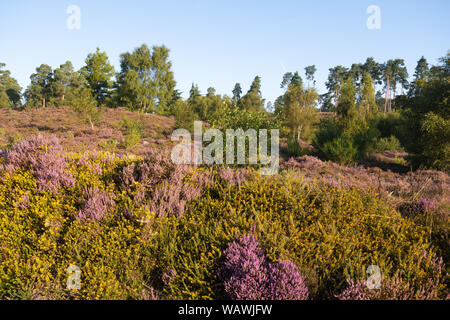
column 82, row 101
column 388, row 144
column 436, row 141
column 340, row 150
column 294, row 149
column 133, row 131
column 109, row 145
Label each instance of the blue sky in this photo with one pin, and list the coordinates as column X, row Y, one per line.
column 219, row 43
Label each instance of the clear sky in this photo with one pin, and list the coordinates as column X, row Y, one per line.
column 218, row 43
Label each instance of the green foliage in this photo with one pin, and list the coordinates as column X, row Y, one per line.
column 367, row 104
column 436, row 130
column 295, row 109
column 98, row 73
column 84, row 104
column 109, row 145
column 427, row 117
column 294, row 149
column 10, row 91
column 252, row 101
column 340, row 150
column 205, row 108
column 51, row 87
column 39, row 91
column 133, row 131
column 236, row 118
column 184, row 115
column 347, row 100
column 146, row 82
column 4, row 99
column 390, row 144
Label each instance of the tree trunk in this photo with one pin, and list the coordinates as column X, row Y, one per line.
column 387, row 95
column 335, row 101
column 43, row 102
column 299, row 130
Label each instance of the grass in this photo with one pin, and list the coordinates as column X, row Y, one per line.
column 77, row 136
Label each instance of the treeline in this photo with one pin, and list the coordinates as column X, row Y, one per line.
column 370, row 102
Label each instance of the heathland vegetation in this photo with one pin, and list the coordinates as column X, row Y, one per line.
column 86, row 180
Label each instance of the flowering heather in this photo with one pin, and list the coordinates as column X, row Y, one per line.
column 168, row 276
column 162, row 186
column 432, row 185
column 286, row 282
column 391, row 289
column 95, row 205
column 233, row 176
column 247, row 275
column 395, row 288
column 44, row 156
column 425, row 205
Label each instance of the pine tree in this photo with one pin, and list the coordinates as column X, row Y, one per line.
column 39, row 91
column 10, row 91
column 98, row 73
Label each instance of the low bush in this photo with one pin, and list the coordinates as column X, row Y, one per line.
column 139, row 230
column 294, row 149
column 388, row 144
column 340, row 150
column 133, row 132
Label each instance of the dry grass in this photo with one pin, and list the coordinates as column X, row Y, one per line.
column 413, row 185
column 77, row 135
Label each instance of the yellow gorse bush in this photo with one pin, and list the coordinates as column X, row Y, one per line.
column 330, row 233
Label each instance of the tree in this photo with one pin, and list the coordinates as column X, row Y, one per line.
column 374, row 68
column 394, row 72
column 252, row 100
column 428, row 117
column 10, row 91
column 99, row 72
column 4, row 99
column 64, row 79
column 356, row 73
column 210, row 91
column 82, row 100
column 237, row 91
column 422, row 69
column 287, row 77
column 367, row 97
column 335, row 78
column 194, row 93
column 39, row 91
column 298, row 108
column 421, row 75
column 146, row 82
column 346, row 107
column 309, row 73
column 400, row 74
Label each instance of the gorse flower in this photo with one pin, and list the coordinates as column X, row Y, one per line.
column 248, row 275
